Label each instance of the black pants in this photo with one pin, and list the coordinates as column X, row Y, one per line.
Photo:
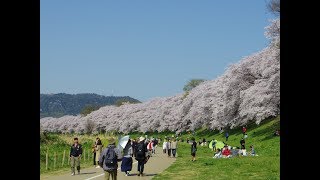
column 227, row 138
column 94, row 159
column 174, row 152
column 140, row 166
column 169, row 152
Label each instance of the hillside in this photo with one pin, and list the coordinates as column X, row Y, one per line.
column 248, row 91
column 57, row 105
column 264, row 166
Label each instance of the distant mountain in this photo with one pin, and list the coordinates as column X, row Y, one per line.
column 57, row 105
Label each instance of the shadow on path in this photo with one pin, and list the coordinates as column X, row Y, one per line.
column 87, row 173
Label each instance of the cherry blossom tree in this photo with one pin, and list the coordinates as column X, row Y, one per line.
column 248, row 91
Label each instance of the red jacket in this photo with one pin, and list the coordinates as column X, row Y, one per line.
column 226, row 152
column 244, row 129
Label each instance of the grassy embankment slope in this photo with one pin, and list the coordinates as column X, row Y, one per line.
column 264, row 166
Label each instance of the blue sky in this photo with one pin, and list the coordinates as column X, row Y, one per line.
column 144, row 48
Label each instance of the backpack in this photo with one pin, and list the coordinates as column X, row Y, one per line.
column 140, row 150
column 111, row 158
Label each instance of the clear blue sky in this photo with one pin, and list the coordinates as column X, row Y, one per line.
column 144, row 48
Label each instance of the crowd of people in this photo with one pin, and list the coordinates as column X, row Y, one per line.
column 142, row 148
column 169, row 146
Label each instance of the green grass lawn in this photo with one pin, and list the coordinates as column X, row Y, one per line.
column 264, row 166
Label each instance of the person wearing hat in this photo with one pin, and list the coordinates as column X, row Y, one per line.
column 109, row 158
column 140, row 151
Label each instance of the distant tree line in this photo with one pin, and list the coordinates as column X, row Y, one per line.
column 58, row 105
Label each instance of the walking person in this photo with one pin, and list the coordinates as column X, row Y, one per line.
column 98, row 151
column 126, row 164
column 193, row 149
column 136, row 142
column 133, row 145
column 174, row 145
column 164, row 146
column 141, row 150
column 149, row 147
column 169, row 147
column 109, row 160
column 75, row 154
column 244, row 130
column 227, row 136
column 155, row 145
column 94, row 154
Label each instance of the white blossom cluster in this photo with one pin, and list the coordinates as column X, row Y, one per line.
column 248, row 91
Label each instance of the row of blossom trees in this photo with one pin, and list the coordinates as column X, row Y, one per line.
column 248, row 90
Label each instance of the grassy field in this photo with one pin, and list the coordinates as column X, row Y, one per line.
column 264, row 166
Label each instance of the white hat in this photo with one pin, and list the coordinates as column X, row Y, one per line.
column 141, row 138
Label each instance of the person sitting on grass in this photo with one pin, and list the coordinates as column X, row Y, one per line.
column 252, row 151
column 243, row 152
column 217, row 154
column 226, row 152
column 235, row 151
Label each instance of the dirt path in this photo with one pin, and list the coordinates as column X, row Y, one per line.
column 156, row 164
